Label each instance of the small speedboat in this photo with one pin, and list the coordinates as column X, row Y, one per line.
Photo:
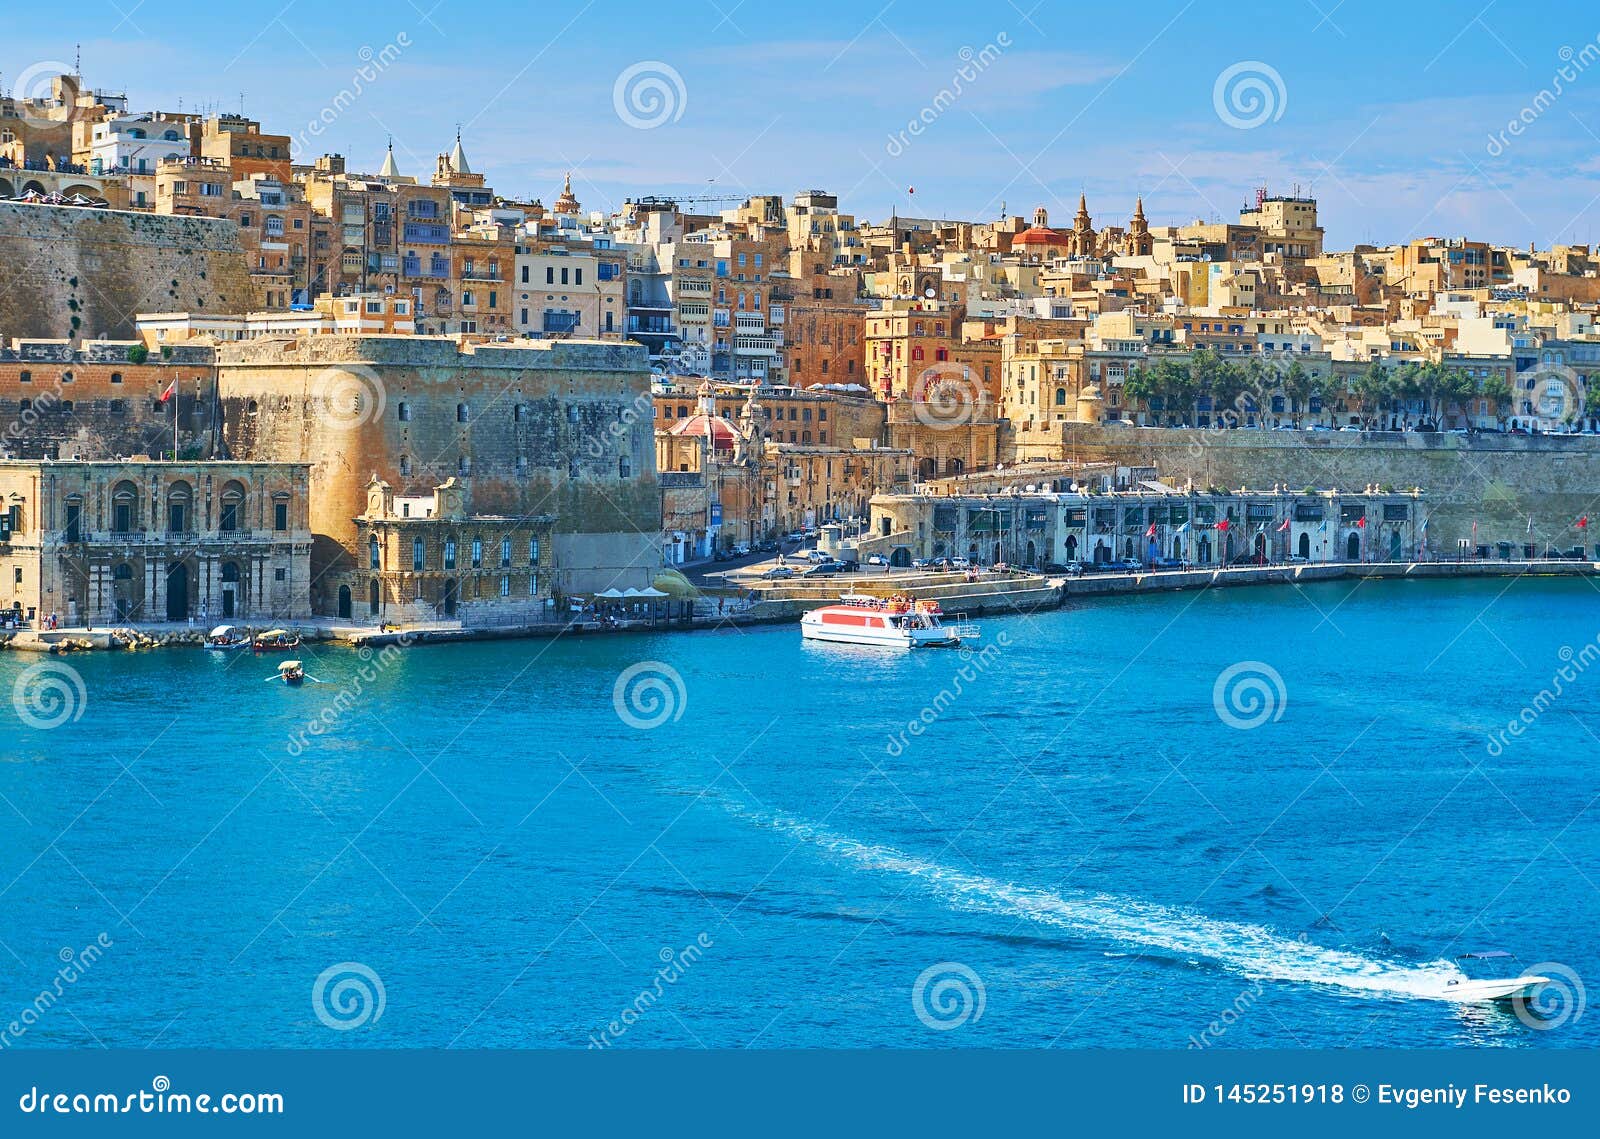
column 276, row 641
column 1468, row 989
column 292, row 672
column 225, row 637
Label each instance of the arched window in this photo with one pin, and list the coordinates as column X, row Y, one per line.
column 1061, row 397
column 373, row 559
column 124, row 508
column 463, row 413
column 179, row 498
column 418, row 553
column 624, row 468
column 231, row 516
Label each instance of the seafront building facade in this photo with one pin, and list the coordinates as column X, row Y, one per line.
column 1149, row 524
column 141, row 540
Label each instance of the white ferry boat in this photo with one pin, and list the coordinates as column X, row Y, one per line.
column 898, row 622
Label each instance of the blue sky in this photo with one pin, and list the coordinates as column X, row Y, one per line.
column 1394, row 115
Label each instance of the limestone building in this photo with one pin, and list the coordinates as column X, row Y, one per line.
column 427, row 559
column 526, row 427
column 138, row 540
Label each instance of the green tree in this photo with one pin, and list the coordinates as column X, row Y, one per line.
column 1456, row 386
column 1331, row 389
column 1497, row 390
column 1297, row 387
column 1374, row 388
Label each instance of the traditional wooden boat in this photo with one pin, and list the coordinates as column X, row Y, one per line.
column 225, row 637
column 276, row 641
column 292, row 672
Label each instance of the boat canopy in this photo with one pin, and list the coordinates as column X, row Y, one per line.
column 270, row 633
column 289, row 666
column 221, row 631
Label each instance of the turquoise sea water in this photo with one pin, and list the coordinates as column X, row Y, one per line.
column 1084, row 842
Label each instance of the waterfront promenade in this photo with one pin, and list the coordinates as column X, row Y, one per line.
column 762, row 603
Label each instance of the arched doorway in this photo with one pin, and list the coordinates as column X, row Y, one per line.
column 928, row 468
column 1032, row 554
column 1072, row 547
column 901, row 558
column 1261, row 548
column 373, row 597
column 1102, row 552
column 1394, row 546
column 1305, row 546
column 447, row 601
column 1352, row 548
column 230, row 588
column 1203, row 551
column 1177, row 548
column 972, row 553
column 1127, row 547
column 345, row 609
column 996, row 557
column 177, row 592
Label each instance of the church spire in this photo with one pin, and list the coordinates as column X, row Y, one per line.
column 390, row 170
column 458, row 157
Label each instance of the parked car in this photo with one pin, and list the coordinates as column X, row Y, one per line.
column 921, row 563
column 877, row 560
column 741, row 549
column 959, row 563
column 823, row 569
column 1132, row 565
column 1172, row 564
column 778, row 572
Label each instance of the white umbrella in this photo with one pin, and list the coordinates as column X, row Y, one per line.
column 652, row 592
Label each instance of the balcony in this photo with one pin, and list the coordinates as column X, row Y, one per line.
column 755, row 345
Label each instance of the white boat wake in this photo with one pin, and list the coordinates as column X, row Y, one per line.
column 1254, row 951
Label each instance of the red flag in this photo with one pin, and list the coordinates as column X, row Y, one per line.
column 1583, row 523
column 1284, row 527
column 1223, row 525
column 1151, row 533
column 166, row 395
column 1361, row 523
